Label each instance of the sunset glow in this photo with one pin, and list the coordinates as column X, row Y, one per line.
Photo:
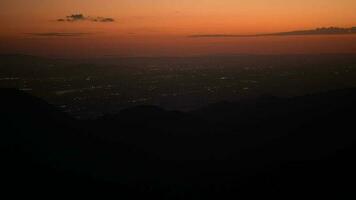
column 161, row 27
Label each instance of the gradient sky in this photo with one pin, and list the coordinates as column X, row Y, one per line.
column 160, row 27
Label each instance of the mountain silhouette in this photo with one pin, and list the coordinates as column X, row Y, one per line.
column 268, row 146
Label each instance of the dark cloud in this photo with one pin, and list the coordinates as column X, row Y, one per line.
column 103, row 19
column 59, row 34
column 318, row 31
column 81, row 17
column 76, row 17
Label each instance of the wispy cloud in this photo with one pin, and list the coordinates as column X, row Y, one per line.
column 59, row 34
column 81, row 17
column 318, row 31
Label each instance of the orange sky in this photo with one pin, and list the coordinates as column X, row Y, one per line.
column 160, row 27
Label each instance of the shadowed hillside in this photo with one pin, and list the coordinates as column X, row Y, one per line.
column 267, row 146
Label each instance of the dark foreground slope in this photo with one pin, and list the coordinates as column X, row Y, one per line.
column 295, row 146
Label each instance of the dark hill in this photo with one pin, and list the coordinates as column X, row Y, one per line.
column 300, row 145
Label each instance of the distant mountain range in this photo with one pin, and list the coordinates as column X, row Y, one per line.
column 318, row 31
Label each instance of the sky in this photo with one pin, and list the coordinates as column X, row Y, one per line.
column 161, row 27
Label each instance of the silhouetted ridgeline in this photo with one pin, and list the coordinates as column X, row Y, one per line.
column 269, row 146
